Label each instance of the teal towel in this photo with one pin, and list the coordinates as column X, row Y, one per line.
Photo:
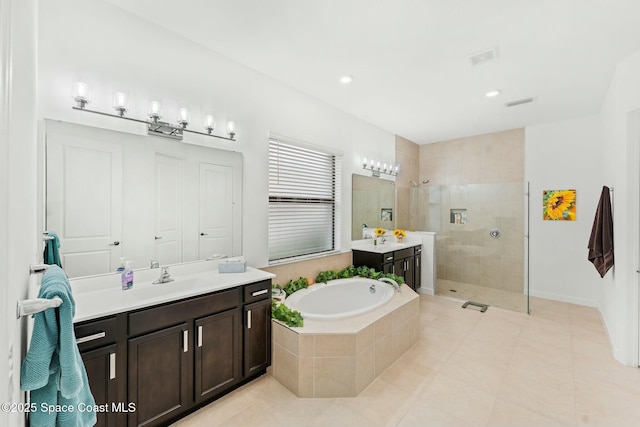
column 53, row 370
column 51, row 250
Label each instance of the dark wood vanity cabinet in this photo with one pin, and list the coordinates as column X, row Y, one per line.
column 158, row 363
column 158, row 375
column 403, row 262
column 105, row 366
column 217, row 354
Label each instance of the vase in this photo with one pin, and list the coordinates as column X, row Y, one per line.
column 399, row 239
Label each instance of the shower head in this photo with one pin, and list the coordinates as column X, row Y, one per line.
column 426, row 181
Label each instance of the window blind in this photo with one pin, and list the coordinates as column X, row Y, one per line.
column 303, row 190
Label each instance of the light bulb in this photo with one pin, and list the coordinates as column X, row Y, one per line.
column 120, row 102
column 209, row 123
column 81, row 94
column 155, row 110
column 364, row 162
column 231, row 128
column 183, row 117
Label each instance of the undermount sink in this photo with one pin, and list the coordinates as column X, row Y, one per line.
column 176, row 286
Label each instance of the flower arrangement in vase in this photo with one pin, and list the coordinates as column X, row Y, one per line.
column 400, row 235
column 379, row 232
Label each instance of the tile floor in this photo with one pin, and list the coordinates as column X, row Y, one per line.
column 482, row 294
column 498, row 368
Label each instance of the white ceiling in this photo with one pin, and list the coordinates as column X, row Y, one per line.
column 410, row 58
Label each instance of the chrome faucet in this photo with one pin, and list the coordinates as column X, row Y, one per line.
column 392, row 282
column 155, row 263
column 165, row 276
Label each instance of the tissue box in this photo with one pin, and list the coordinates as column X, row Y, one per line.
column 232, row 266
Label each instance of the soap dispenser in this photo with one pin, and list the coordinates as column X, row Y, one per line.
column 127, row 277
column 122, row 265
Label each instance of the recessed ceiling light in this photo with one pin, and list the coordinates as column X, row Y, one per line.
column 345, row 80
column 492, row 93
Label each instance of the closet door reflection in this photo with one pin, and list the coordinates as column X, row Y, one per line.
column 86, row 214
column 169, row 180
column 216, row 210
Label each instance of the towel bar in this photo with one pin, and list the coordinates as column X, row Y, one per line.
column 32, row 306
column 38, row 268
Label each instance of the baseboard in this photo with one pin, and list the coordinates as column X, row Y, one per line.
column 564, row 298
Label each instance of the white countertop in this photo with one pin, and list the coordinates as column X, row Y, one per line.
column 381, row 248
column 103, row 296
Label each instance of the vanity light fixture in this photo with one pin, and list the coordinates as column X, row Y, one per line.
column 376, row 169
column 209, row 123
column 120, row 103
column 81, row 96
column 183, row 117
column 231, row 128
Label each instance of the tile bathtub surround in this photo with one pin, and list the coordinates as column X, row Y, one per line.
column 493, row 369
column 308, row 268
column 340, row 358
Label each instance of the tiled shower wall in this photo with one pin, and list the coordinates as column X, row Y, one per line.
column 484, row 175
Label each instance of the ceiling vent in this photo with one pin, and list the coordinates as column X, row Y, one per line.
column 484, row 56
column 519, row 102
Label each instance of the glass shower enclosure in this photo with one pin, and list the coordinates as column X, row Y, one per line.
column 481, row 244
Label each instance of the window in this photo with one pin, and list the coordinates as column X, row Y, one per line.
column 303, row 201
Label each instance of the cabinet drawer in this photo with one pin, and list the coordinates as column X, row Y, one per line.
column 96, row 333
column 153, row 319
column 257, row 291
column 403, row 253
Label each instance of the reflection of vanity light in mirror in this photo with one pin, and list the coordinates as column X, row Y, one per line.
column 81, row 96
column 387, row 169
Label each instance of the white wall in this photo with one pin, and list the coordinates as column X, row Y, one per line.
column 18, row 240
column 564, row 155
column 621, row 158
column 110, row 49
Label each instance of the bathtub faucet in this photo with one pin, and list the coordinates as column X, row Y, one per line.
column 391, row 282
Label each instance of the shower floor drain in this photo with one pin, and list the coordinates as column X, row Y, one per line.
column 482, row 307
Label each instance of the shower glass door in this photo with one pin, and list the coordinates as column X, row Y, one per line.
column 480, row 241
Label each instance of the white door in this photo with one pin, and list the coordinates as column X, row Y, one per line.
column 216, row 210
column 84, row 201
column 168, row 181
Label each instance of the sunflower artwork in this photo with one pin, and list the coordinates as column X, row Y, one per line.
column 559, row 205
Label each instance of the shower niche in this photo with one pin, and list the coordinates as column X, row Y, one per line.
column 457, row 216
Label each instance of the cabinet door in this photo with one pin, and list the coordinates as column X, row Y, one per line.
column 159, row 379
column 100, row 365
column 218, row 353
column 257, row 337
column 409, row 274
column 405, row 268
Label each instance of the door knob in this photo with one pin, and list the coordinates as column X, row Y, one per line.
column 157, row 237
column 116, row 243
column 204, row 234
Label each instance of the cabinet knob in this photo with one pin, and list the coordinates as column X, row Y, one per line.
column 199, row 336
column 249, row 319
column 185, row 341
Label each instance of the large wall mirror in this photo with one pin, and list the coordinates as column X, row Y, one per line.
column 112, row 194
column 373, row 203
